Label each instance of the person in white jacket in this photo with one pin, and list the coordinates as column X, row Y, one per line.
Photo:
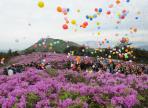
column 10, row 72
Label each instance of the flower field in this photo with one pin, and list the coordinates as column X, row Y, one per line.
column 53, row 88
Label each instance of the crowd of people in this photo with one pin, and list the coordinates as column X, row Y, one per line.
column 82, row 64
column 13, row 69
column 19, row 68
column 108, row 65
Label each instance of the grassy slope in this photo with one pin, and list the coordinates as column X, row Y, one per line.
column 58, row 47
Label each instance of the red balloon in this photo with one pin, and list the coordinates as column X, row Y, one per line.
column 108, row 12
column 96, row 9
column 122, row 17
column 65, row 26
column 85, row 23
column 124, row 11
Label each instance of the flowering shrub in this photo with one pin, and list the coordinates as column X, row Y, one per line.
column 52, row 72
column 32, row 99
column 37, row 89
column 75, row 78
column 65, row 88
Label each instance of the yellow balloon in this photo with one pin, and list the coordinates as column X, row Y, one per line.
column 99, row 13
column 73, row 22
column 98, row 23
column 91, row 17
column 78, row 10
column 41, row 4
column 118, row 14
column 99, row 33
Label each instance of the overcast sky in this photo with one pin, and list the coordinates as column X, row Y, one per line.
column 15, row 15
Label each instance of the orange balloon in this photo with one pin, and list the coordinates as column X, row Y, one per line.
column 85, row 23
column 83, row 26
column 59, row 9
column 117, row 1
column 135, row 29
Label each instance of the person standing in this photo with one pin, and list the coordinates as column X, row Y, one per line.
column 78, row 59
column 10, row 72
column 2, row 61
column 111, row 66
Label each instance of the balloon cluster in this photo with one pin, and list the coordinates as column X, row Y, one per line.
column 84, row 24
column 89, row 17
column 63, row 10
column 118, row 14
column 94, row 16
column 133, row 30
column 123, row 14
column 124, row 40
column 98, row 10
column 103, row 42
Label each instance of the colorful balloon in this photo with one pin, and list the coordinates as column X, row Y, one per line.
column 118, row 1
column 99, row 33
column 78, row 10
column 59, row 9
column 73, row 22
column 41, row 4
column 100, row 10
column 65, row 26
column 108, row 12
column 85, row 23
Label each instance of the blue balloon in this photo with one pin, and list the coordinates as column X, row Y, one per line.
column 68, row 9
column 91, row 19
column 136, row 18
column 127, row 0
column 99, row 27
column 100, row 10
column 107, row 41
column 87, row 17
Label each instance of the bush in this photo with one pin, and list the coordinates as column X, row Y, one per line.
column 75, row 78
column 32, row 99
column 76, row 106
column 52, row 72
column 143, row 98
column 65, row 94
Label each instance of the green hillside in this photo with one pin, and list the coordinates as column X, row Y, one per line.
column 51, row 45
